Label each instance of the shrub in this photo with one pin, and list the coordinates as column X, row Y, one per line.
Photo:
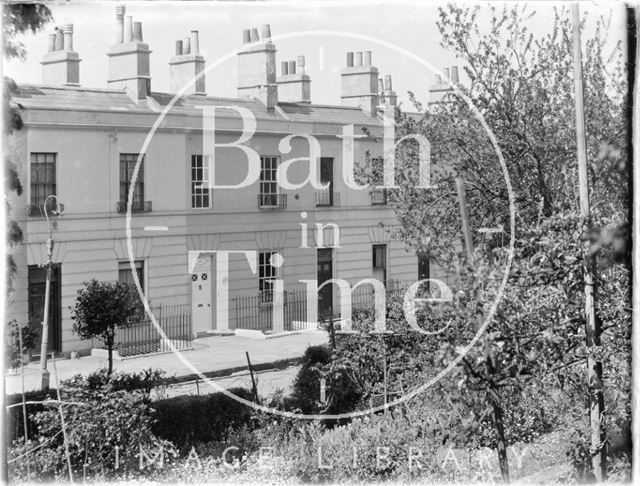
column 306, row 386
column 105, row 433
column 15, row 423
column 189, row 420
column 143, row 381
column 13, row 351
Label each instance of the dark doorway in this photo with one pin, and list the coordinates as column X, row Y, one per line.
column 424, row 270
column 379, row 254
column 325, row 272
column 37, row 284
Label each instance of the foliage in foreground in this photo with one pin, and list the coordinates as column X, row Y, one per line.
column 106, row 430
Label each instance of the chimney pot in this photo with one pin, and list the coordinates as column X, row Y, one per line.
column 128, row 28
column 254, row 35
column 186, row 46
column 292, row 67
column 358, row 62
column 195, row 42
column 301, row 63
column 120, row 9
column 266, row 32
column 438, row 79
column 454, row 74
column 284, row 67
column 349, row 59
column 59, row 40
column 380, row 86
column 447, row 75
column 51, row 46
column 68, row 37
column 387, row 82
column 137, row 31
column 178, row 48
column 246, row 36
column 367, row 58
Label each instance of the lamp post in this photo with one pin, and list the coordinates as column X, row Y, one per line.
column 59, row 209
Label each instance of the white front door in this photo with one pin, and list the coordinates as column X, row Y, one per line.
column 201, row 310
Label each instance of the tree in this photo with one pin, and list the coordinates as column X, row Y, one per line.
column 522, row 87
column 18, row 19
column 103, row 307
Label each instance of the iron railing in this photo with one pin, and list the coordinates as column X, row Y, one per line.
column 256, row 312
column 327, row 197
column 136, row 206
column 143, row 337
column 378, row 197
column 272, row 201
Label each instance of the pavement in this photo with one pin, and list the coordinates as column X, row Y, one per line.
column 214, row 356
column 268, row 382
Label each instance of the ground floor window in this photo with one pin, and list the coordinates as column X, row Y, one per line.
column 266, row 273
column 125, row 274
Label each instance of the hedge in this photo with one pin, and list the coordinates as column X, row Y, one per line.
column 15, row 423
column 192, row 419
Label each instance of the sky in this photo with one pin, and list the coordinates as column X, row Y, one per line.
column 408, row 25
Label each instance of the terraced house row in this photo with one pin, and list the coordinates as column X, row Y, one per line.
column 82, row 144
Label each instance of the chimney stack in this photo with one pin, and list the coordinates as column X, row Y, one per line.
column 360, row 82
column 257, row 68
column 187, row 64
column 390, row 96
column 129, row 58
column 61, row 64
column 441, row 87
column 294, row 85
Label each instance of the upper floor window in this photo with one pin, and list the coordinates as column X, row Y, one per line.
column 127, row 165
column 125, row 274
column 200, row 192
column 269, row 196
column 378, row 195
column 43, row 179
column 325, row 197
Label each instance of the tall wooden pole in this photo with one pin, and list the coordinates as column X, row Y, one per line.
column 493, row 399
column 592, row 324
column 24, row 401
column 253, row 380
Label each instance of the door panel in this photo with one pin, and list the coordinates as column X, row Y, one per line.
column 201, row 303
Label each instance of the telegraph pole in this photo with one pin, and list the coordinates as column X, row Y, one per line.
column 592, row 324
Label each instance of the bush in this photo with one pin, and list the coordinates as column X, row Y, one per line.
column 13, row 351
column 143, row 381
column 15, row 423
column 105, row 432
column 305, row 396
column 189, row 420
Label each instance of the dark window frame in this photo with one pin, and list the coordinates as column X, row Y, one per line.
column 43, row 177
column 127, row 163
column 201, row 197
column 124, row 270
